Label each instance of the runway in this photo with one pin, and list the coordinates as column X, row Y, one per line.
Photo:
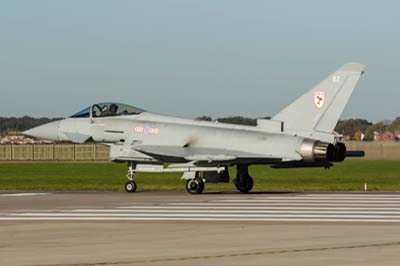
column 276, row 208
column 115, row 228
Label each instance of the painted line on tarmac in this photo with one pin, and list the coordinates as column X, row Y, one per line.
column 194, row 219
column 363, row 194
column 314, row 198
column 358, row 195
column 215, row 207
column 252, row 209
column 23, row 194
column 304, row 201
column 207, row 215
column 224, row 211
column 291, row 203
column 302, row 195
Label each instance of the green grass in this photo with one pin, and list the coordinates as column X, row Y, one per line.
column 347, row 176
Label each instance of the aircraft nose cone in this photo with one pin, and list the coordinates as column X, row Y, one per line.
column 47, row 131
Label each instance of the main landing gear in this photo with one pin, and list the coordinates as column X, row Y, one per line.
column 243, row 182
column 195, row 180
column 131, row 186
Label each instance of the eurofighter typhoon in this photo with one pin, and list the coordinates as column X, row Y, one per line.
column 301, row 135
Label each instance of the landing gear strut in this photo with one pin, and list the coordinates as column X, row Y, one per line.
column 195, row 185
column 131, row 186
column 243, row 182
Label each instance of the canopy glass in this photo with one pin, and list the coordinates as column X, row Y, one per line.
column 108, row 109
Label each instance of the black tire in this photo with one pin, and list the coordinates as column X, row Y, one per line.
column 195, row 186
column 244, row 184
column 130, row 186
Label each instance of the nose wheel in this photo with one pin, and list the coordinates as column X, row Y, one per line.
column 130, row 186
column 195, row 185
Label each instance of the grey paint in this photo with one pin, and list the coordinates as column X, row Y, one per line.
column 148, row 137
column 336, row 88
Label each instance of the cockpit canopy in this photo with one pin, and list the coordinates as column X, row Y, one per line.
column 108, row 109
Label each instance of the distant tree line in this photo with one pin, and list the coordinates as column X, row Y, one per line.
column 23, row 123
column 350, row 127
column 355, row 127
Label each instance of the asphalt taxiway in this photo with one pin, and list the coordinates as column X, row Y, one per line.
column 116, row 228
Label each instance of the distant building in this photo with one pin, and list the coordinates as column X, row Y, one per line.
column 15, row 137
column 385, row 136
column 397, row 134
column 377, row 135
column 359, row 136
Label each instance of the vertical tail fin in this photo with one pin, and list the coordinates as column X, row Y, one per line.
column 320, row 108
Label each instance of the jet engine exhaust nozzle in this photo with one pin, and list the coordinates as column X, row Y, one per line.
column 317, row 151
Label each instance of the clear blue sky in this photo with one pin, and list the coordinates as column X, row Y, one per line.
column 192, row 58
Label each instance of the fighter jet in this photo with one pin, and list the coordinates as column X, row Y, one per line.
column 301, row 135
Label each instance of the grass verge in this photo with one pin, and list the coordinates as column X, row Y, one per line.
column 347, row 176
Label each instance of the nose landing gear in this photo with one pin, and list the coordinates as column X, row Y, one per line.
column 131, row 186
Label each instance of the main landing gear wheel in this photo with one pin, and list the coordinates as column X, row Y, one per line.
column 195, row 186
column 243, row 182
column 130, row 186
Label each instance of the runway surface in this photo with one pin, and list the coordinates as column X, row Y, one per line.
column 278, row 208
column 109, row 228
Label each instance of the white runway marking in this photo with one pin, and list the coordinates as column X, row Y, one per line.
column 192, row 219
column 213, row 207
column 315, row 197
column 22, row 194
column 161, row 210
column 202, row 215
column 291, row 203
column 306, row 201
column 297, row 208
